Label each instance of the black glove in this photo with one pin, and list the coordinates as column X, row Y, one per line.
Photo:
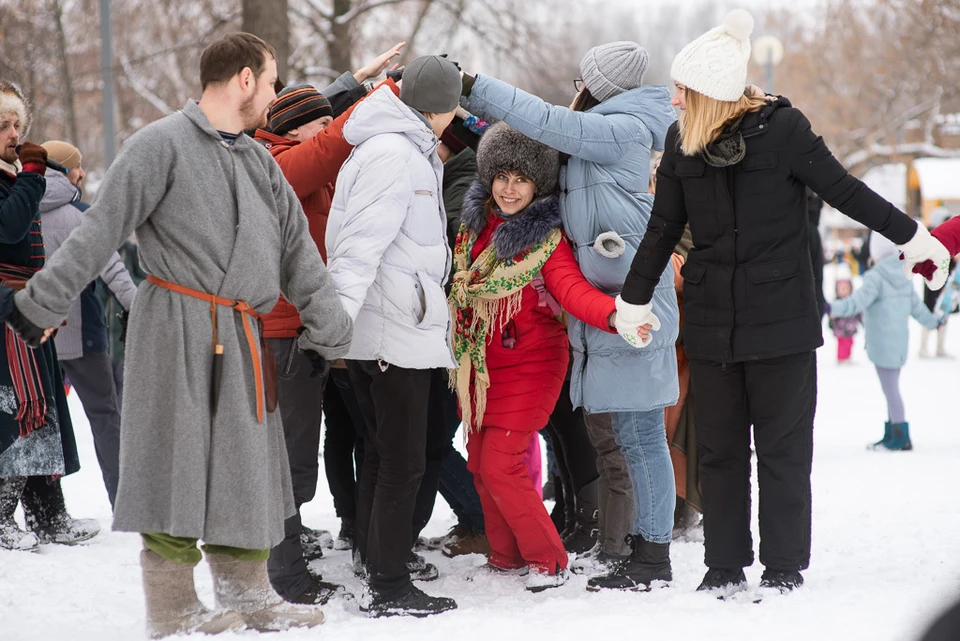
column 124, row 318
column 318, row 363
column 443, row 55
column 395, row 74
column 27, row 331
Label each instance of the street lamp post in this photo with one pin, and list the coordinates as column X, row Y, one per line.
column 106, row 71
column 768, row 51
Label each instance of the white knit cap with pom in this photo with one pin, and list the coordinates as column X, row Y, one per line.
column 715, row 64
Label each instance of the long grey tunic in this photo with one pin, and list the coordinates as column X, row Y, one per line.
column 219, row 219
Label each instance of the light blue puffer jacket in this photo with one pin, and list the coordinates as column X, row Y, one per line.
column 887, row 300
column 604, row 189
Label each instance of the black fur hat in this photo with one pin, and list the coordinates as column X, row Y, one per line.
column 503, row 148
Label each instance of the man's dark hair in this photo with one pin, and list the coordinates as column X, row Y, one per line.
column 226, row 57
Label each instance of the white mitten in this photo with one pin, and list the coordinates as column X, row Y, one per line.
column 629, row 319
column 921, row 248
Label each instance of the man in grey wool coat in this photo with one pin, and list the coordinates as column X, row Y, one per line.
column 221, row 235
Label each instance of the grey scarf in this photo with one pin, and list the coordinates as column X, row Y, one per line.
column 728, row 149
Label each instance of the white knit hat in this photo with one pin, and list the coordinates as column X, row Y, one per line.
column 715, row 64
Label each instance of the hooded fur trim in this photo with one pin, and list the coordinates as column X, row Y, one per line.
column 13, row 101
column 519, row 232
column 503, row 148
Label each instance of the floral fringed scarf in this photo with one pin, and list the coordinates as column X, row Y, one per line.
column 485, row 295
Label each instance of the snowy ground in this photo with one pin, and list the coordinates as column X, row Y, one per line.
column 885, row 558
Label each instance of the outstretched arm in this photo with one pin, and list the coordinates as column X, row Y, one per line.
column 574, row 292
column 128, row 195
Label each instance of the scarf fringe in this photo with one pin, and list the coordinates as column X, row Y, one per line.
column 484, row 299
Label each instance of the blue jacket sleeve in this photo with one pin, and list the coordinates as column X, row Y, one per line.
column 921, row 314
column 591, row 136
column 860, row 300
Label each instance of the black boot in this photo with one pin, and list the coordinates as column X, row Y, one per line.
column 569, row 506
column 312, row 542
column 11, row 536
column 782, row 580
column 45, row 513
column 723, row 581
column 419, row 569
column 412, row 602
column 319, row 592
column 348, row 532
column 585, row 532
column 648, row 562
column 558, row 514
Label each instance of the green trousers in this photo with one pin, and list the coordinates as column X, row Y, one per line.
column 181, row 549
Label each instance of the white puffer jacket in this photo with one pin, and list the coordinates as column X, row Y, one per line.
column 386, row 237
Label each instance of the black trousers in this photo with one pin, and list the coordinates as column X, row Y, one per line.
column 394, row 402
column 778, row 397
column 92, row 376
column 575, row 455
column 437, row 445
column 342, row 442
column 300, row 406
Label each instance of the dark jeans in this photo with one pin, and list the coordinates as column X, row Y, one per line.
column 300, row 406
column 394, row 402
column 456, row 482
column 778, row 397
column 92, row 377
column 342, row 442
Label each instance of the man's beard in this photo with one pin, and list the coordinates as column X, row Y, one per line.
column 251, row 119
column 8, row 155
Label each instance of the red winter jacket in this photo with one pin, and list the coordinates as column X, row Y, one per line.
column 311, row 168
column 527, row 361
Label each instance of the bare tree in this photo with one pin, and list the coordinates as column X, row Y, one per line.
column 270, row 20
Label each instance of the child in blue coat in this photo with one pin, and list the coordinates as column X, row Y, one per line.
column 887, row 301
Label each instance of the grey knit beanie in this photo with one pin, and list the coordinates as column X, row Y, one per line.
column 503, row 148
column 609, row 70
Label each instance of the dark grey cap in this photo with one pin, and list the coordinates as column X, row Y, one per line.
column 431, row 84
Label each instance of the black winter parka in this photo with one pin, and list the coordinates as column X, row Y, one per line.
column 748, row 282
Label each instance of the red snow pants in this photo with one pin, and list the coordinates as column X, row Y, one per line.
column 517, row 524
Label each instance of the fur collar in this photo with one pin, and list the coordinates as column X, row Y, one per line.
column 519, row 232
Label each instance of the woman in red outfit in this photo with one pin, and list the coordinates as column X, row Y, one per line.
column 513, row 265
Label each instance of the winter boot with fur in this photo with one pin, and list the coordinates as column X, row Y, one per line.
column 648, row 562
column 172, row 603
column 587, row 518
column 243, row 586
column 45, row 513
column 899, row 438
column 11, row 536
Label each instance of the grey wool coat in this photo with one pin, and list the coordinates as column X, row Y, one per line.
column 222, row 220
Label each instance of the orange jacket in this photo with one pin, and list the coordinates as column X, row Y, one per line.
column 311, row 168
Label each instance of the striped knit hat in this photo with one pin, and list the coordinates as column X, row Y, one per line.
column 294, row 107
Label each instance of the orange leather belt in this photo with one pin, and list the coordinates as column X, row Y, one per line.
column 238, row 306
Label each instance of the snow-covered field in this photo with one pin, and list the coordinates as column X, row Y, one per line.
column 885, row 553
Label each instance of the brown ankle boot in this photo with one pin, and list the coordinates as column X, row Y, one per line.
column 243, row 586
column 172, row 603
column 468, row 543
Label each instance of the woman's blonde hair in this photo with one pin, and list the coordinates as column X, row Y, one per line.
column 705, row 118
